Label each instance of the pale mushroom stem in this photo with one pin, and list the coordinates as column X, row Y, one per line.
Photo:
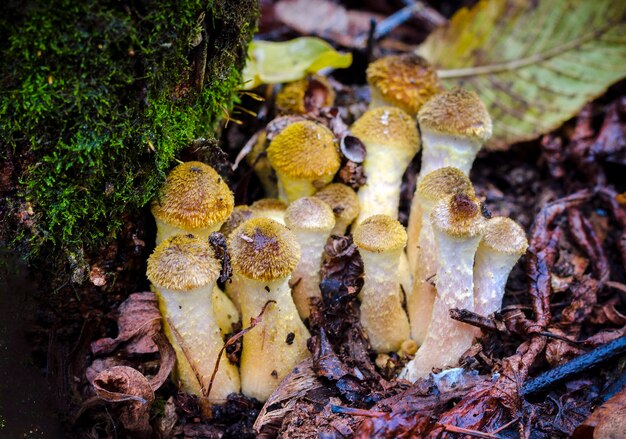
column 271, row 347
column 442, row 150
column 306, row 278
column 382, row 315
column 448, row 339
column 191, row 327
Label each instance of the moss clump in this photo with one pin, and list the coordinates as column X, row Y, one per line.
column 98, row 97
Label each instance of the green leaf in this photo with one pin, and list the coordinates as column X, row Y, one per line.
column 535, row 63
column 272, row 63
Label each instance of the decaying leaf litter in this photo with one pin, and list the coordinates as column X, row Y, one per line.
column 564, row 299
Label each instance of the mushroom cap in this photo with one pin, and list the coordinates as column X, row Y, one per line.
column 238, row 216
column 380, row 233
column 305, row 150
column 342, row 200
column 406, row 81
column 457, row 112
column 182, row 263
column 309, row 214
column 443, row 182
column 504, row 235
column 263, row 249
column 193, row 196
column 305, row 95
column 458, row 215
column 268, row 204
column 389, row 126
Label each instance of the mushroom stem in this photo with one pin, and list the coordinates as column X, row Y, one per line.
column 458, row 226
column 381, row 240
column 311, row 221
column 502, row 245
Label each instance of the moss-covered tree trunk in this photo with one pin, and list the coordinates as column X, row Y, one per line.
column 98, row 97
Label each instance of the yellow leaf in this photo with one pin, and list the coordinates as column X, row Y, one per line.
column 534, row 63
column 272, row 63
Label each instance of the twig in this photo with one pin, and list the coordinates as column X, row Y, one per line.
column 471, row 318
column 355, row 412
column 475, row 433
column 253, row 322
column 577, row 365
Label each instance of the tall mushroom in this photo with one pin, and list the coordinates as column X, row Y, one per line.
column 305, row 157
column 503, row 243
column 194, row 199
column 458, row 226
column 454, row 125
column 183, row 270
column 311, row 220
column 405, row 81
column 391, row 140
column 421, row 249
column 264, row 254
column 381, row 240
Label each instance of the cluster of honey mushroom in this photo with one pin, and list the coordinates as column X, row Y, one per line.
column 450, row 256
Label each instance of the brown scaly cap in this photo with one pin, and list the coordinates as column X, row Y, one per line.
column 457, row 112
column 193, row 196
column 443, row 182
column 458, row 215
column 504, row 235
column 406, row 81
column 380, row 233
column 342, row 200
column 239, row 215
column 305, row 95
column 182, row 263
column 264, row 250
column 388, row 126
column 305, row 150
column 310, row 214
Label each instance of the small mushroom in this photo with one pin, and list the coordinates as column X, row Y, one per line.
column 183, row 269
column 271, row 208
column 391, row 140
column 305, row 157
column 454, row 125
column 194, row 199
column 381, row 240
column 264, row 254
column 305, row 95
column 238, row 216
column 503, row 243
column 311, row 220
column 405, row 81
column 257, row 159
column 344, row 202
column 421, row 248
column 458, row 225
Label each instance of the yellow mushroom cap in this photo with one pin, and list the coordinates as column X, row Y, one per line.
column 406, row 81
column 268, row 204
column 193, row 196
column 264, row 250
column 304, row 95
column 342, row 200
column 305, row 150
column 182, row 263
column 457, row 112
column 389, row 126
column 310, row 214
column 380, row 233
column 458, row 215
column 239, row 215
column 504, row 235
column 443, row 182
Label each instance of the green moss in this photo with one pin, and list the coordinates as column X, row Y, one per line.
column 99, row 97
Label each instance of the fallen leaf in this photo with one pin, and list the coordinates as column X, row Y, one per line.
column 272, row 63
column 534, row 64
column 138, row 322
column 608, row 421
